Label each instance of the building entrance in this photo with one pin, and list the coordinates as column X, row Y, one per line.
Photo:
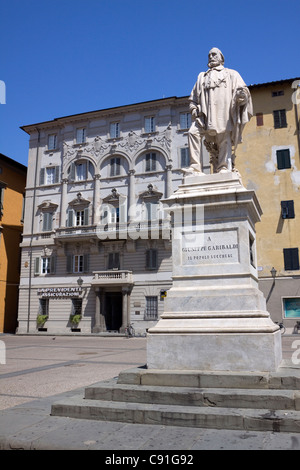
column 113, row 310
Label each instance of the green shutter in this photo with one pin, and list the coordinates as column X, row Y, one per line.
column 70, row 218
column 86, row 216
column 69, row 263
column 37, row 266
column 42, row 176
column 86, row 262
column 52, row 264
column 56, row 176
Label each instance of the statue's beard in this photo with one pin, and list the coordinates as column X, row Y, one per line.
column 213, row 63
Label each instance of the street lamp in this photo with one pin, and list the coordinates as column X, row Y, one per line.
column 273, row 272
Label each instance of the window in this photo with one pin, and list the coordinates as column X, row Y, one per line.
column 287, row 210
column 115, row 166
column 259, row 119
column 52, row 142
column 114, row 260
column 49, row 175
column 279, row 118
column 76, row 306
column 78, row 263
column 184, row 157
column 151, row 259
column 44, row 307
column 185, row 120
column 291, row 259
column 152, row 210
column 150, row 124
column 47, row 221
column 80, row 135
column 277, row 93
column 283, row 159
column 151, row 162
column 81, row 171
column 78, row 218
column 45, row 265
column 115, row 130
column 2, row 188
column 151, row 308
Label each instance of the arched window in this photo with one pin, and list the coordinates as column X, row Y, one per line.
column 81, row 170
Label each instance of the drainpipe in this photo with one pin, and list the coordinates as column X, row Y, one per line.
column 297, row 127
column 32, row 227
column 296, row 85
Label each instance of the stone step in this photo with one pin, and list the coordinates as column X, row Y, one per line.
column 189, row 396
column 176, row 415
column 286, row 378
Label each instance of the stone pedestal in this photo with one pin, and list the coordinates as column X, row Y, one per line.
column 215, row 317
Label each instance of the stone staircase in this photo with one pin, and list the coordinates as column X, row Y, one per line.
column 225, row 400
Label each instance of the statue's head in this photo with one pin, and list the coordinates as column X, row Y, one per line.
column 215, row 57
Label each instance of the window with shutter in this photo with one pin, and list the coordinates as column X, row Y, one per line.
column 151, row 259
column 80, row 135
column 283, row 159
column 259, row 119
column 47, row 221
column 78, row 264
column 115, row 166
column 45, row 265
column 115, row 130
column 287, row 209
column 150, row 124
column 52, row 142
column 114, row 260
column 151, row 162
column 184, row 157
column 291, row 259
column 279, row 118
column 185, row 120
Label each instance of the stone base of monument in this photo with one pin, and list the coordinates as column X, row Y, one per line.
column 214, row 358
column 267, row 401
column 215, row 317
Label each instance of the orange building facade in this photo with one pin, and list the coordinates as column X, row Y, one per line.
column 12, row 188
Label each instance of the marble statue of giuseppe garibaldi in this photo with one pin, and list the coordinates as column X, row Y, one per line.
column 221, row 105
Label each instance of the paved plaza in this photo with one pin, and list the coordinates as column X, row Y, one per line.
column 39, row 370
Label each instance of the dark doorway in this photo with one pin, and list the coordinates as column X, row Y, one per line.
column 113, row 310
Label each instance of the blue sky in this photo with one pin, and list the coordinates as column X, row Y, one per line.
column 62, row 57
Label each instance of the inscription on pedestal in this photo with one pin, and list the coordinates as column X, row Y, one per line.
column 211, row 247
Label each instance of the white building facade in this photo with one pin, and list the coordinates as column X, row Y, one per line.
column 96, row 249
